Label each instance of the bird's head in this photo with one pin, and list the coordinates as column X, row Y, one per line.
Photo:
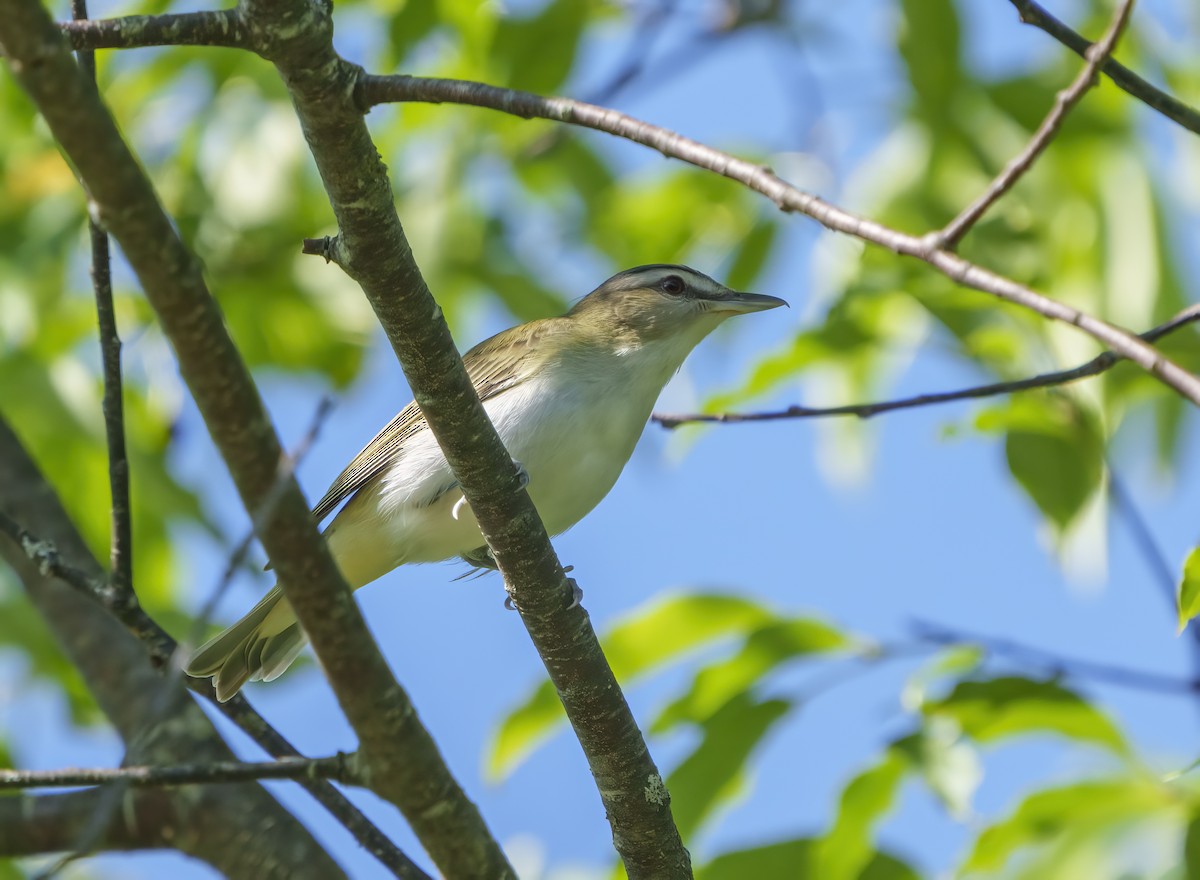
column 663, row 302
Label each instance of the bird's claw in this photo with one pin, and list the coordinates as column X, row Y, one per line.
column 522, row 478
column 576, row 592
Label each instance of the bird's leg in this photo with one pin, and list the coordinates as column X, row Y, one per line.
column 522, row 477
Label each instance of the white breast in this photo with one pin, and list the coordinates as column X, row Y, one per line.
column 573, row 428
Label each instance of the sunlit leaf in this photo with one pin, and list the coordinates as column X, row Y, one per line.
column 792, row 860
column 1189, row 589
column 947, row 762
column 764, row 650
column 847, row 848
column 661, row 632
column 1087, row 806
column 712, row 773
column 999, row 708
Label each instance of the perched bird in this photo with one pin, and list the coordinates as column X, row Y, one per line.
column 569, row 397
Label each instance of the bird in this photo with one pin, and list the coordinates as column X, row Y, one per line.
column 569, row 397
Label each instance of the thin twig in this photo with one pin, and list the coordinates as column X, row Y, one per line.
column 1161, row 572
column 338, row 767
column 375, row 90
column 1057, row 664
column 223, row 27
column 1094, row 367
column 1168, row 105
column 113, row 405
column 949, row 237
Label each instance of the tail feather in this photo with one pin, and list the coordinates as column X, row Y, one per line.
column 261, row 645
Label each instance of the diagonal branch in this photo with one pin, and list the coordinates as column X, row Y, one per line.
column 1169, row 106
column 211, row 773
column 949, row 237
column 1097, row 365
column 373, row 249
column 383, row 89
column 405, row 765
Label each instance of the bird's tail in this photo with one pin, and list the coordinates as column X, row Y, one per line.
column 262, row 645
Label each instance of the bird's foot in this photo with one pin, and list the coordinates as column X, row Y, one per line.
column 576, row 592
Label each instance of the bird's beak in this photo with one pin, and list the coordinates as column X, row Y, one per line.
column 740, row 303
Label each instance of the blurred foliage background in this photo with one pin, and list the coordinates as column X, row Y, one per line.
column 503, row 214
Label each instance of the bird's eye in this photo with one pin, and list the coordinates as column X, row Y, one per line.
column 673, row 284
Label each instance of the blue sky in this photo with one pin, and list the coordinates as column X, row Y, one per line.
column 936, row 531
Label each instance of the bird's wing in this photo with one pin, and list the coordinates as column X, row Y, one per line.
column 494, row 366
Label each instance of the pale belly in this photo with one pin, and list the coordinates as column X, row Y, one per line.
column 578, row 451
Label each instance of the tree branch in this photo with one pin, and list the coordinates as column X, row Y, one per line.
column 215, row 28
column 335, row 767
column 373, row 250
column 1169, row 106
column 1097, row 365
column 403, row 761
column 949, row 236
column 213, row 824
column 383, row 89
column 36, row 825
column 19, row 479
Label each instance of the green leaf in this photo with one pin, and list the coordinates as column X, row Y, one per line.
column 949, row 764
column 929, row 45
column 1189, row 589
column 1088, row 807
column 847, row 849
column 751, row 254
column 537, row 53
column 1191, row 847
column 792, row 860
column 764, row 650
column 712, row 773
column 1003, row 707
column 662, row 631
column 1058, row 459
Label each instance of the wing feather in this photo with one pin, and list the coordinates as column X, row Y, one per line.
column 495, row 365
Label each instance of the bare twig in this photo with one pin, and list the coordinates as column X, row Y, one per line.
column 1094, row 367
column 121, row 552
column 1056, row 664
column 383, row 89
column 948, row 237
column 338, row 767
column 1168, row 105
column 1126, row 509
